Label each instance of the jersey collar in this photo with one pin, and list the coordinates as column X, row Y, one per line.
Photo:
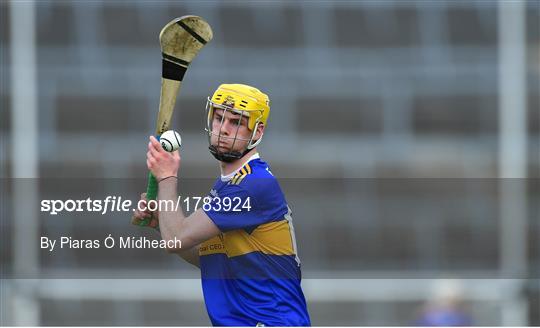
column 229, row 176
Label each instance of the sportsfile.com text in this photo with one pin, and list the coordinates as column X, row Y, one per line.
column 118, row 204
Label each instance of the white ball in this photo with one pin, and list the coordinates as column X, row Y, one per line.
column 170, row 140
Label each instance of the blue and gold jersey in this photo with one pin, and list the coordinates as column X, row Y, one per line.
column 251, row 271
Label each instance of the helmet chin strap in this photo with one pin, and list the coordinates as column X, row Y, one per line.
column 227, row 157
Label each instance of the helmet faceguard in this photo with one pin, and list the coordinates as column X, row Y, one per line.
column 242, row 100
column 231, row 155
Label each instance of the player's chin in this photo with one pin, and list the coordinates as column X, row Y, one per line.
column 222, row 148
column 226, row 147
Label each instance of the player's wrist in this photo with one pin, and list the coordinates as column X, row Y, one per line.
column 171, row 177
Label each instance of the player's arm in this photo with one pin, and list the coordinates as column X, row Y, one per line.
column 189, row 255
column 173, row 224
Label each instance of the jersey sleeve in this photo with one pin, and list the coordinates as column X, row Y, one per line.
column 242, row 211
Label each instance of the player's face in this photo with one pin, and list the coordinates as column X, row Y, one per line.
column 229, row 131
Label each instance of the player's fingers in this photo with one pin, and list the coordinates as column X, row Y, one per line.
column 140, row 215
column 151, row 147
column 137, row 218
column 141, row 204
column 155, row 144
column 139, row 211
column 149, row 165
column 176, row 154
column 153, row 223
column 143, row 208
column 153, row 151
column 149, row 155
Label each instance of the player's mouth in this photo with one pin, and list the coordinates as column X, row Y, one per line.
column 223, row 146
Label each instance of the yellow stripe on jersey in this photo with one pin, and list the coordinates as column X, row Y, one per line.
column 212, row 246
column 233, row 180
column 273, row 238
column 239, row 176
column 248, row 168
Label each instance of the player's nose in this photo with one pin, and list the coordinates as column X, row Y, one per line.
column 225, row 128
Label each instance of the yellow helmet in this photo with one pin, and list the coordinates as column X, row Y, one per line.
column 248, row 99
column 244, row 100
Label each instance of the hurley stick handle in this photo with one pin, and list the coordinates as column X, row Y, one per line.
column 151, row 194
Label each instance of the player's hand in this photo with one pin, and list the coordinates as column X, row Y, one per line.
column 146, row 217
column 161, row 163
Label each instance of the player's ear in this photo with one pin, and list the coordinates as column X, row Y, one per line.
column 260, row 131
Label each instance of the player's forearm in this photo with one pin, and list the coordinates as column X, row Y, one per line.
column 170, row 221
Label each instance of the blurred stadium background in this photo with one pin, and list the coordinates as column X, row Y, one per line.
column 413, row 110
